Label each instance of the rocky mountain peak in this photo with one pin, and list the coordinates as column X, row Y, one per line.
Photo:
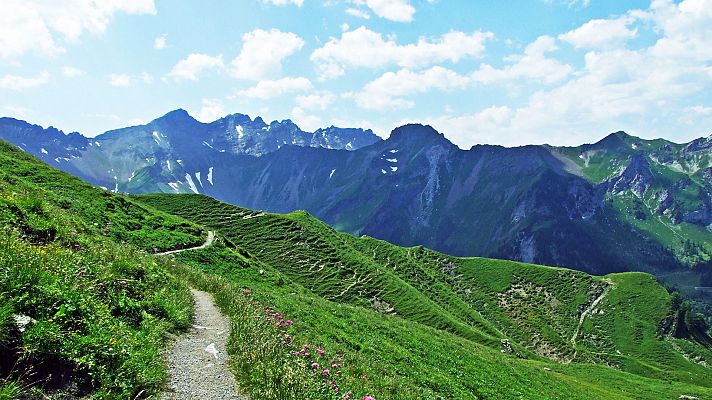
column 615, row 140
column 419, row 135
column 176, row 116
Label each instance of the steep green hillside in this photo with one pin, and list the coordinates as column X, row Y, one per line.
column 579, row 336
column 82, row 309
column 81, row 298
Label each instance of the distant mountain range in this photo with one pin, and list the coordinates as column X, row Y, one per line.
column 623, row 203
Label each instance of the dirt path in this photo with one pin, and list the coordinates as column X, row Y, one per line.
column 197, row 363
column 208, row 242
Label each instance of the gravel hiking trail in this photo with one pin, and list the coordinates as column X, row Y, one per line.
column 197, row 362
column 208, row 242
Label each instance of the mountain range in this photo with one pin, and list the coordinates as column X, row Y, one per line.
column 623, row 203
column 89, row 305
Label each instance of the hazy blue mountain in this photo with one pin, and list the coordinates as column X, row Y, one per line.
column 620, row 204
column 123, row 159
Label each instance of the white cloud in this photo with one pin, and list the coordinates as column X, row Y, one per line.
column 262, row 53
column 43, row 26
column 159, row 43
column 315, row 101
column 618, row 89
column 71, row 72
column 146, row 77
column 190, row 67
column 700, row 110
column 355, row 12
column 267, row 89
column 484, row 126
column 393, row 10
column 687, row 29
column 119, row 80
column 368, row 49
column 305, row 121
column 15, row 82
column 211, row 110
column 601, row 33
column 387, row 91
column 297, row 3
column 533, row 64
column 645, row 91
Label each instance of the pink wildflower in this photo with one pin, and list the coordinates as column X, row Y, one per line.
column 325, row 373
column 315, row 365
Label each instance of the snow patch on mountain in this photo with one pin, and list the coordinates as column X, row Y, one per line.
column 197, row 176
column 175, row 186
column 191, row 184
column 210, row 175
column 332, row 173
column 157, row 138
column 43, row 151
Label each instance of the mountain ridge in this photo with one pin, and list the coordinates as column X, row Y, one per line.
column 622, row 203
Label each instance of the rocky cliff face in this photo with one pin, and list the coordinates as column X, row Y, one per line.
column 667, row 180
column 636, row 177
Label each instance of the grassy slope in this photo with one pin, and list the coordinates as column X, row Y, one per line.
column 70, row 261
column 441, row 318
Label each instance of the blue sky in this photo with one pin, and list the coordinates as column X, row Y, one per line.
column 563, row 72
